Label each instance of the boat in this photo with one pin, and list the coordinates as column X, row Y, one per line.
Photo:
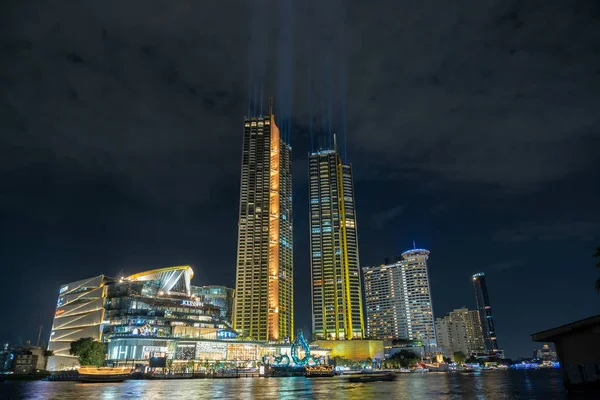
column 372, row 378
column 156, row 376
column 103, row 374
column 225, row 375
column 320, row 371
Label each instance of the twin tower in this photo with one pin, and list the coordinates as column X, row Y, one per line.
column 264, row 303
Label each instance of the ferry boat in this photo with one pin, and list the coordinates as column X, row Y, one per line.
column 93, row 374
column 319, row 371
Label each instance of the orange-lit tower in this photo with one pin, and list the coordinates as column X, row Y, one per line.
column 264, row 304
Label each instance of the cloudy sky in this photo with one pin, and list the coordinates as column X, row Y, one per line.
column 473, row 129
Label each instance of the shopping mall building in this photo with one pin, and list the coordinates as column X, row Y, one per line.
column 155, row 313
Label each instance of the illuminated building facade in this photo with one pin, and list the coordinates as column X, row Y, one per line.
column 150, row 305
column 485, row 312
column 451, row 336
column 79, row 314
column 460, row 330
column 419, row 312
column 219, row 296
column 335, row 275
column 385, row 301
column 353, row 350
column 398, row 299
column 264, row 301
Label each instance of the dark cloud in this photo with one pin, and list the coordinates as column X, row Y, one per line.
column 120, row 139
column 382, row 218
column 584, row 230
column 503, row 266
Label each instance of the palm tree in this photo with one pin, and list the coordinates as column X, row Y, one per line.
column 597, row 255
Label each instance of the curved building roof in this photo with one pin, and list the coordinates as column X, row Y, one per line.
column 415, row 252
column 173, row 279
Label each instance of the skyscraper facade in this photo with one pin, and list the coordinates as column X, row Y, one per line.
column 418, row 296
column 451, row 336
column 336, row 286
column 485, row 312
column 264, row 303
column 385, row 301
column 398, row 299
column 460, row 330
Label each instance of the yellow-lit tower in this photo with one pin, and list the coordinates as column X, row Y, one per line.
column 264, row 303
column 336, row 286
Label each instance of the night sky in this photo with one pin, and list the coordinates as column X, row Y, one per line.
column 473, row 129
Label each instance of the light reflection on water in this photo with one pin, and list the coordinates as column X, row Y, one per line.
column 486, row 385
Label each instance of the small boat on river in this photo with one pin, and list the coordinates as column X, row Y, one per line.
column 319, row 371
column 375, row 377
column 104, row 374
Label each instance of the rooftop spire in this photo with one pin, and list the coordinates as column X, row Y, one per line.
column 335, row 143
column 271, row 105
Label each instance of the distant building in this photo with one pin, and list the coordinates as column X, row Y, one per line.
column 473, row 330
column 334, row 262
column 22, row 359
column 6, row 358
column 385, row 301
column 545, row 354
column 264, row 298
column 451, row 336
column 484, row 307
column 398, row 299
column 460, row 330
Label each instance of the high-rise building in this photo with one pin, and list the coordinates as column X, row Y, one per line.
column 336, row 286
column 264, row 303
column 398, row 299
column 485, row 312
column 385, row 301
column 470, row 318
column 451, row 336
column 461, row 332
column 418, row 296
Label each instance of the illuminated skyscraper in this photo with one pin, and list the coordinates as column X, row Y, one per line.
column 264, row 303
column 336, row 287
column 460, row 330
column 485, row 312
column 398, row 299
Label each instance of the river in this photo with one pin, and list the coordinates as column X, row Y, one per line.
column 532, row 384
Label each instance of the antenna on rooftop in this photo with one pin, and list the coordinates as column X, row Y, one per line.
column 39, row 336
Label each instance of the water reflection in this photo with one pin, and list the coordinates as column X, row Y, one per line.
column 485, row 385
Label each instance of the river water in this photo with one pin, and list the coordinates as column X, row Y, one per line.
column 541, row 384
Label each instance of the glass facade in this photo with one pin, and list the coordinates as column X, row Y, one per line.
column 264, row 301
column 151, row 305
column 485, row 312
column 336, row 286
column 140, row 308
column 218, row 296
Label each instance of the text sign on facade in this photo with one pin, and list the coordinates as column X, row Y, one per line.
column 190, row 303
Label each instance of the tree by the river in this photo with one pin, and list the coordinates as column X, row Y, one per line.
column 89, row 351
